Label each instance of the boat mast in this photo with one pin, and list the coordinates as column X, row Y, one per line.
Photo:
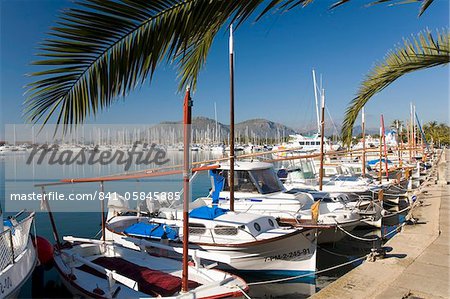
column 187, row 115
column 399, row 140
column 411, row 142
column 231, row 175
column 385, row 147
column 321, row 140
column 363, row 125
column 414, row 130
column 317, row 100
column 216, row 139
column 380, row 170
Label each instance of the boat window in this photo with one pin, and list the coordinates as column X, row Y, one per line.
column 257, row 226
column 242, row 182
column 308, row 169
column 302, row 143
column 317, row 142
column 307, row 143
column 196, row 229
column 271, row 223
column 225, row 230
column 266, row 180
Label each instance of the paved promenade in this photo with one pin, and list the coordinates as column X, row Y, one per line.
column 419, row 263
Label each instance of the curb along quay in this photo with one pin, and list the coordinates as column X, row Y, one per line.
column 418, row 264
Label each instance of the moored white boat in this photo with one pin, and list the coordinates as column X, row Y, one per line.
column 18, row 256
column 258, row 190
column 97, row 269
column 254, row 243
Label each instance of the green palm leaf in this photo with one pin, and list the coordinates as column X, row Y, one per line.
column 423, row 7
column 101, row 50
column 416, row 54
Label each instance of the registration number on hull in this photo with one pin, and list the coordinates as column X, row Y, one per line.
column 288, row 255
column 5, row 284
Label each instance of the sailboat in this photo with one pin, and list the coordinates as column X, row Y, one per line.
column 301, row 144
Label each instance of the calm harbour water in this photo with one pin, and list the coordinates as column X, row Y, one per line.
column 17, row 176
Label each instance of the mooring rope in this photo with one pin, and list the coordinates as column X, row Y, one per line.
column 243, row 292
column 390, row 214
column 309, row 274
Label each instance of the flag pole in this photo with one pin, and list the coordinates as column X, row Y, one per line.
column 186, row 192
column 231, row 175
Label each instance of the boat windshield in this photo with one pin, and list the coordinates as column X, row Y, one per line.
column 266, row 180
column 242, row 182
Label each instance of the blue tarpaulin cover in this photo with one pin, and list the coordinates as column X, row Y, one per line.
column 218, row 182
column 147, row 230
column 208, row 213
column 373, row 162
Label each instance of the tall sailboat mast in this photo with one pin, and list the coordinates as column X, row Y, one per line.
column 231, row 176
column 317, row 100
column 216, row 137
column 363, row 125
column 322, row 128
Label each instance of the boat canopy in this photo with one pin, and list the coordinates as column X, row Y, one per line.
column 208, row 213
column 147, row 230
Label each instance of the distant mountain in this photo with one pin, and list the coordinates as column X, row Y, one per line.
column 204, row 129
column 262, row 129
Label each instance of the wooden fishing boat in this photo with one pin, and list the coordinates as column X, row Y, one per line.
column 98, row 269
column 254, row 243
column 258, row 190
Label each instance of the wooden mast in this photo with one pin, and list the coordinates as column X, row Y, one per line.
column 231, row 175
column 411, row 132
column 186, row 192
column 385, row 147
column 363, row 125
column 399, row 144
column 380, row 170
column 322, row 133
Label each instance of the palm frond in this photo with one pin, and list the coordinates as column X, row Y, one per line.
column 423, row 7
column 101, row 50
column 419, row 53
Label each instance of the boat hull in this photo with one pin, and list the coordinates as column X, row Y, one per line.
column 293, row 252
column 14, row 276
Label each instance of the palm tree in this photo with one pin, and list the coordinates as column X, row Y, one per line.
column 420, row 53
column 101, row 50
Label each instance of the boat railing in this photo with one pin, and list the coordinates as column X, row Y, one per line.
column 13, row 241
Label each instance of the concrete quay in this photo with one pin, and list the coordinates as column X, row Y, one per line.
column 419, row 263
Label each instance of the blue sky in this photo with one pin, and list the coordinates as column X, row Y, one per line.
column 274, row 59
